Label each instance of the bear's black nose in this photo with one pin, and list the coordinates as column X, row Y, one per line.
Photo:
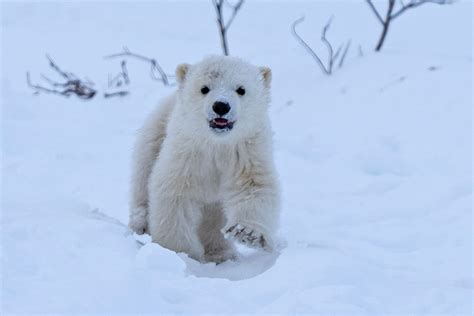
column 221, row 108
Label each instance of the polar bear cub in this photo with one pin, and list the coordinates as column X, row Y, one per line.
column 203, row 171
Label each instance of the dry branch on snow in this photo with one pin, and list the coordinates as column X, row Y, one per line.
column 121, row 78
column 71, row 86
column 334, row 57
column 156, row 71
column 224, row 26
column 393, row 11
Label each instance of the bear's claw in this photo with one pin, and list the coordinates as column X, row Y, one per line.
column 246, row 236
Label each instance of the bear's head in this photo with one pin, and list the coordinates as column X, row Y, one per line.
column 223, row 96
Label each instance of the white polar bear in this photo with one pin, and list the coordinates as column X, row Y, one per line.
column 203, row 164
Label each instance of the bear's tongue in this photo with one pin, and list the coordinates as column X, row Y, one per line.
column 221, row 121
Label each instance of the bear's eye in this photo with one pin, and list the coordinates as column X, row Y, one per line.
column 205, row 90
column 240, row 91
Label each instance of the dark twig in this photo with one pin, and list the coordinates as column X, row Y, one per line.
column 115, row 81
column 338, row 51
column 115, row 94
column 126, row 78
column 374, row 9
column 307, row 47
column 121, row 78
column 222, row 25
column 416, row 3
column 68, row 76
column 72, row 85
column 328, row 44
column 235, row 9
column 333, row 58
column 156, row 71
column 39, row 88
column 51, row 82
column 343, row 57
column 392, row 14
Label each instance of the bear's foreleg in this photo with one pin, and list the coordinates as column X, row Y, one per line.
column 252, row 208
column 216, row 247
column 173, row 214
column 146, row 151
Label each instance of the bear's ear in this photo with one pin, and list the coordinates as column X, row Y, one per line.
column 266, row 74
column 181, row 72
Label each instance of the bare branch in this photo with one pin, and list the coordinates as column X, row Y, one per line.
column 235, row 9
column 332, row 57
column 126, row 78
column 72, row 85
column 338, row 51
column 306, row 46
column 343, row 57
column 121, row 78
column 390, row 14
column 385, row 25
column 416, row 3
column 64, row 74
column 155, row 67
column 51, row 82
column 39, row 88
column 115, row 81
column 328, row 44
column 218, row 6
column 374, row 9
column 116, row 94
column 221, row 24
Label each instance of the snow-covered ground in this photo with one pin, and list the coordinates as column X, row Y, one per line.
column 375, row 162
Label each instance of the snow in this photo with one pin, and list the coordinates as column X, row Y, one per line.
column 375, row 163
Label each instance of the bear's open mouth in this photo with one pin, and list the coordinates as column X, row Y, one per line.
column 221, row 124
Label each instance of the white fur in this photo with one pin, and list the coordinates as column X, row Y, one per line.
column 193, row 187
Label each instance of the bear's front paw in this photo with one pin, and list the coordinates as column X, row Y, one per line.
column 137, row 227
column 247, row 236
column 138, row 221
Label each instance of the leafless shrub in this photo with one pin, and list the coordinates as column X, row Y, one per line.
column 118, row 81
column 71, row 86
column 156, row 71
column 84, row 88
column 121, row 78
column 224, row 26
column 394, row 10
column 334, row 57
